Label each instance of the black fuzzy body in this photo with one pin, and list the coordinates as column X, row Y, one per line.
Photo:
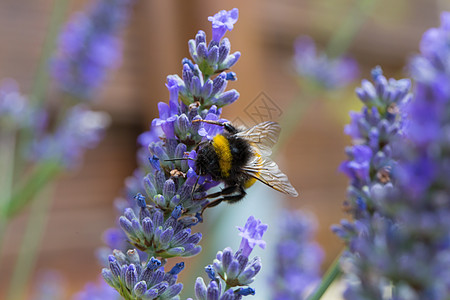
column 208, row 160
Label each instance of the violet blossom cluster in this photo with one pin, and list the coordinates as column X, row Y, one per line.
column 321, row 70
column 403, row 253
column 373, row 131
column 165, row 197
column 89, row 47
column 298, row 258
column 16, row 111
column 370, row 166
column 46, row 137
column 81, row 129
column 232, row 272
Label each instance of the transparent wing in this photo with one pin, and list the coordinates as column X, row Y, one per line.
column 262, row 136
column 266, row 170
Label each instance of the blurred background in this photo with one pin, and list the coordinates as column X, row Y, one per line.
column 155, row 41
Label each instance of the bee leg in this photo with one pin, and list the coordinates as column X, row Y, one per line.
column 235, row 198
column 226, row 191
column 226, row 196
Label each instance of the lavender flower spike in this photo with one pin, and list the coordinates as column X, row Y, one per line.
column 81, row 129
column 89, row 47
column 99, row 291
column 297, row 271
column 165, row 196
column 373, row 131
column 149, row 232
column 134, row 279
column 230, row 271
column 16, row 111
column 405, row 246
column 321, row 70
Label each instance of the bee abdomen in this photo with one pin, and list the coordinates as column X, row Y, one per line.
column 240, row 151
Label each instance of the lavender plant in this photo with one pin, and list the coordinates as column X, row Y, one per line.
column 371, row 161
column 401, row 250
column 321, row 71
column 373, row 131
column 298, row 258
column 159, row 225
column 98, row 291
column 89, row 46
column 52, row 140
column 230, row 270
column 39, row 137
column 411, row 251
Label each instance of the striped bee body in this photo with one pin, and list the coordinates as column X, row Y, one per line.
column 239, row 159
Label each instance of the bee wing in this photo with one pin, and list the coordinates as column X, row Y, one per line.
column 266, row 170
column 262, row 136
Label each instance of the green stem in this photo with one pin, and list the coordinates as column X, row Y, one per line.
column 291, row 118
column 41, row 175
column 342, row 38
column 42, row 77
column 30, row 244
column 333, row 272
column 7, row 156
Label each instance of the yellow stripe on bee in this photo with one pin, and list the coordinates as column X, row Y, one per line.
column 252, row 180
column 222, row 148
column 249, row 182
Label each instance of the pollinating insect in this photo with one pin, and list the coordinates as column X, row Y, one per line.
column 240, row 157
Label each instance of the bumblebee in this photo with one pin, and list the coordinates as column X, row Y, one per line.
column 240, row 157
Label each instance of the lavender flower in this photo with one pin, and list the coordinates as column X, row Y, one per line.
column 135, row 279
column 50, row 285
column 97, row 291
column 223, row 21
column 406, row 248
column 159, row 224
column 369, row 168
column 319, row 69
column 158, row 237
column 89, row 47
column 81, row 129
column 214, row 57
column 298, row 259
column 371, row 161
column 16, row 111
column 373, row 131
column 234, row 269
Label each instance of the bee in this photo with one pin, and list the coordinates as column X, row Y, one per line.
column 239, row 158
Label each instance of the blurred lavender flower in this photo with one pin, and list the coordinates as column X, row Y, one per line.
column 50, row 285
column 80, row 130
column 89, row 47
column 16, row 111
column 298, row 258
column 406, row 250
column 97, row 291
column 321, row 70
column 234, row 269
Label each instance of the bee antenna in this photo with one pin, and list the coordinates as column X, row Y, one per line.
column 175, row 159
column 209, row 122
